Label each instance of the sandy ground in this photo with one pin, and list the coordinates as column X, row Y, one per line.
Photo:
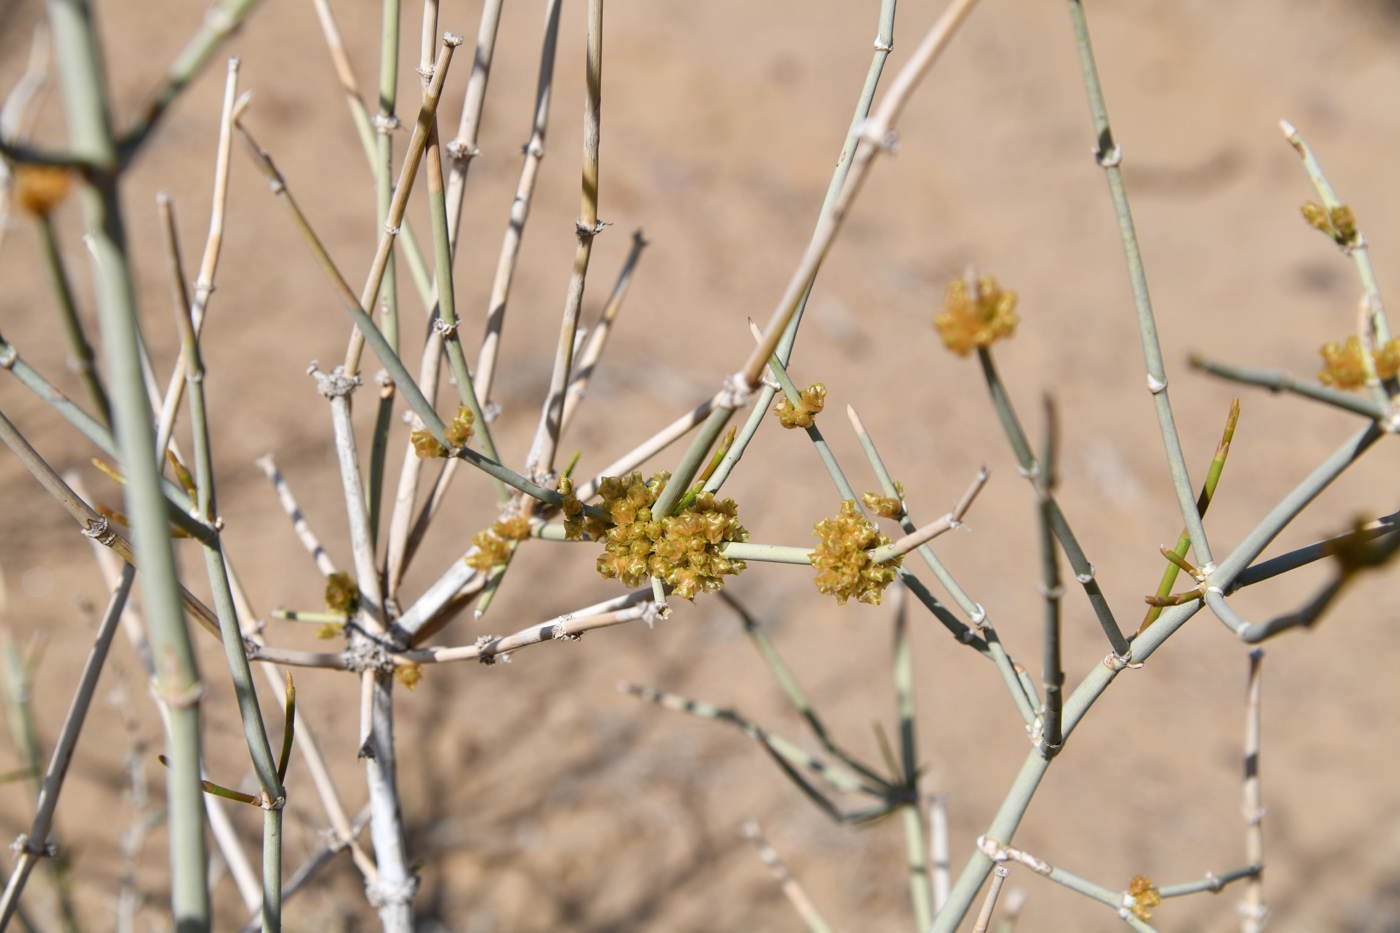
column 539, row 798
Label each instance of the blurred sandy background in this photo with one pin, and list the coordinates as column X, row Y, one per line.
column 537, row 796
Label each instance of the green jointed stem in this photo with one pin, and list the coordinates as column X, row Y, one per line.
column 220, row 20
column 906, row 710
column 1278, row 380
column 177, row 678
column 179, row 504
column 695, row 455
column 447, row 305
column 884, row 43
column 1083, row 570
column 80, row 355
column 1098, row 679
column 1051, row 738
column 1183, row 543
column 1109, row 157
column 1257, row 573
column 254, row 729
column 390, row 360
column 1025, row 699
column 272, row 871
column 794, row 692
column 383, row 164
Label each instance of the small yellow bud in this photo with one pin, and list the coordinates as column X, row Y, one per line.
column 425, row 445
column 409, row 675
column 342, row 593
column 1146, row 895
column 40, row 188
column 1344, row 365
column 813, row 399
column 460, row 429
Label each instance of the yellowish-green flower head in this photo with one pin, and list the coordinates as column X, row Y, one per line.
column 842, row 559
column 813, row 401
column 969, row 321
column 683, row 550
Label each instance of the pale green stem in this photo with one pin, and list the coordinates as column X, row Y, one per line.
column 1025, row 699
column 179, row 504
column 1278, row 380
column 80, row 355
column 383, row 163
column 272, row 871
column 447, row 305
column 63, row 753
column 1030, row 467
column 916, row 855
column 1109, row 156
column 540, row 461
column 219, row 21
column 178, row 685
column 235, row 654
column 884, row 43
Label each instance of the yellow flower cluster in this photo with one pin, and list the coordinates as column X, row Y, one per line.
column 1344, row 365
column 813, row 401
column 1146, row 894
column 576, row 524
column 342, row 595
column 886, row 506
column 493, row 544
column 966, row 323
column 682, row 550
column 408, row 675
column 842, row 559
column 459, row 429
column 1339, row 223
column 425, row 445
column 40, row 188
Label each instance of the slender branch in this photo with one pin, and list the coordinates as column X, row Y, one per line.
column 791, row 889
column 219, row 21
column 875, row 138
column 989, row 904
column 1083, row 570
column 416, row 145
column 300, row 525
column 209, row 263
column 1253, row 913
column 34, row 845
column 462, row 149
column 1051, row 738
column 520, row 207
column 93, row 525
column 540, row 461
column 906, row 711
column 598, row 336
column 1109, row 157
column 1023, row 698
column 1280, row 381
